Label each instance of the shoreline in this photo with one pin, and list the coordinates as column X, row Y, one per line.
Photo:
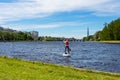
column 83, row 69
column 110, row 42
column 14, row 69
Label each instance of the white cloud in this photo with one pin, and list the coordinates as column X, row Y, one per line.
column 25, row 9
column 30, row 27
column 45, row 26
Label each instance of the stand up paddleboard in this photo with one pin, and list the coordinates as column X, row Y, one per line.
column 66, row 55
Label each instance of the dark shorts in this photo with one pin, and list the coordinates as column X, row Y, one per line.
column 67, row 49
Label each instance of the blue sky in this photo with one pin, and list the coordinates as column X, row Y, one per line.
column 59, row 18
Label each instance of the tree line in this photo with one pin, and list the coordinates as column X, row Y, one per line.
column 110, row 31
column 13, row 35
column 50, row 38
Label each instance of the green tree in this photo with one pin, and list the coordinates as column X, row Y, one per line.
column 97, row 36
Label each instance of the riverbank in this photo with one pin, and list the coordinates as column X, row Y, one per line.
column 16, row 69
column 112, row 42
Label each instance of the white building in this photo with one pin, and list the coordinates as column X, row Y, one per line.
column 34, row 35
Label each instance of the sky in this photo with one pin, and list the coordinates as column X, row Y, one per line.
column 58, row 18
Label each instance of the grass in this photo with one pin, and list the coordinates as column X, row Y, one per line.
column 111, row 42
column 16, row 69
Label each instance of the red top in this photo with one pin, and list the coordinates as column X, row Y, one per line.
column 66, row 43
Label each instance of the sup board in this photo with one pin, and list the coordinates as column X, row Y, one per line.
column 66, row 55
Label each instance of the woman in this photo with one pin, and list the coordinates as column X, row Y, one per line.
column 67, row 46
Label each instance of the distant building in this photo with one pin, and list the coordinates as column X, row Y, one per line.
column 87, row 32
column 34, row 35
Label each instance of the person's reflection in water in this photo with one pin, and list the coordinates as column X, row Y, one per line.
column 67, row 60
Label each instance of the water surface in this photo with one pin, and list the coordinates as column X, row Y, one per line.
column 92, row 55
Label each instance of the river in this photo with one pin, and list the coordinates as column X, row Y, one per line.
column 89, row 55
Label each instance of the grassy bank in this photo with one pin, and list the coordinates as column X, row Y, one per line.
column 114, row 42
column 15, row 69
